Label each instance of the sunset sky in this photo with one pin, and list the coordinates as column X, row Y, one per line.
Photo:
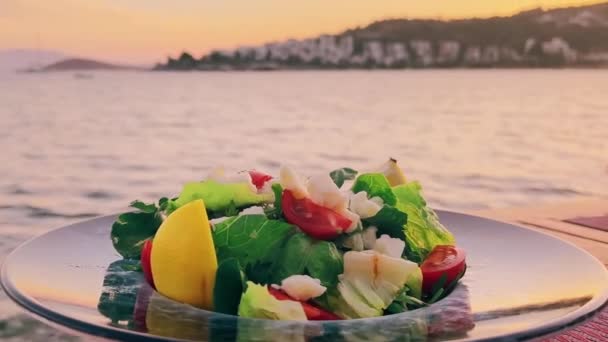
column 146, row 31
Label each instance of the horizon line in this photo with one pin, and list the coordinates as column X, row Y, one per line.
column 125, row 62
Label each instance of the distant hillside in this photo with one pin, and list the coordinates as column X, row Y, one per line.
column 574, row 36
column 73, row 64
column 584, row 28
column 20, row 59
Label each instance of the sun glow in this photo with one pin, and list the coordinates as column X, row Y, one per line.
column 139, row 31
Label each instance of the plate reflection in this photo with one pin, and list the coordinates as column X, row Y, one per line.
column 129, row 302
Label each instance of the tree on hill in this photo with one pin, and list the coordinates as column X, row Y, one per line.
column 186, row 61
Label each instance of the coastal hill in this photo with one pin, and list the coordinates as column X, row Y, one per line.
column 81, row 64
column 21, row 59
column 573, row 36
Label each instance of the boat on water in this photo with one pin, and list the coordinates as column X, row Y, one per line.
column 82, row 75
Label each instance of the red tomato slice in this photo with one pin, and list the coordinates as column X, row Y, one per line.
column 313, row 313
column 259, row 178
column 146, row 252
column 317, row 221
column 443, row 259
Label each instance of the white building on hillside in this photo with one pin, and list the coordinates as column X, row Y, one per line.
column 261, row 53
column 396, row 54
column 358, row 59
column 509, row 55
column 490, row 54
column 346, row 47
column 449, row 52
column 278, row 51
column 327, row 47
column 226, row 53
column 559, row 47
column 472, row 55
column 529, row 45
column 245, row 52
column 375, row 50
column 309, row 50
column 423, row 51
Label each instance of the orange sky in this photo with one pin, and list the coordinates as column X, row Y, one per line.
column 146, row 31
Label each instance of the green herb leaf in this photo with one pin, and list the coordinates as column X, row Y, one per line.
column 325, row 263
column 231, row 210
column 254, row 241
column 131, row 230
column 441, row 289
column 146, row 208
column 437, row 290
column 340, row 175
column 436, row 296
column 405, row 301
column 277, row 190
column 452, row 285
column 439, row 284
column 394, row 308
column 275, row 212
column 162, row 203
column 303, row 255
column 293, row 259
column 414, row 303
column 390, row 221
column 375, row 184
column 229, row 286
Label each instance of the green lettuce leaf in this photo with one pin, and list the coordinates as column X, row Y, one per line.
column 340, row 175
column 375, row 184
column 423, row 230
column 257, row 302
column 414, row 284
column 219, row 196
column 132, row 229
column 304, row 255
column 390, row 221
column 255, row 241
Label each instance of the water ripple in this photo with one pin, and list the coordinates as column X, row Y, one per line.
column 100, row 195
column 489, row 139
column 41, row 213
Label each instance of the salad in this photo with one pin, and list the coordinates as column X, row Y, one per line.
column 334, row 246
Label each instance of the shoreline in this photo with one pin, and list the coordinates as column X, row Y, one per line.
column 241, row 70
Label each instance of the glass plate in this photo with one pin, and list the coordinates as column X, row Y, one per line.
column 519, row 284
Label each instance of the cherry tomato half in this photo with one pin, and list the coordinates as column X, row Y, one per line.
column 313, row 313
column 146, row 252
column 259, row 178
column 443, row 259
column 317, row 221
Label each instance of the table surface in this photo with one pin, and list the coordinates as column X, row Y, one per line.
column 557, row 220
column 552, row 219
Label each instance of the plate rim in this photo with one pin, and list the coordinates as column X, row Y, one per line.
column 32, row 306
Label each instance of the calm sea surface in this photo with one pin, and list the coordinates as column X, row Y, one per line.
column 74, row 147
